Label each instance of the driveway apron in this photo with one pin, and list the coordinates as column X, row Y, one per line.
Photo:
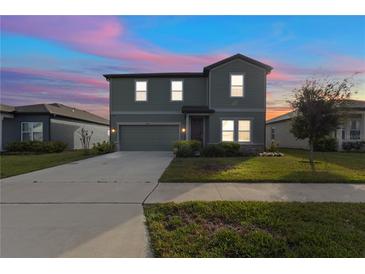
column 88, row 208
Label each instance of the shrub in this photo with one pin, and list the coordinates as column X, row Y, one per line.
column 348, row 146
column 231, row 149
column 213, row 150
column 36, row 147
column 187, row 148
column 104, row 147
column 325, row 144
column 273, row 147
column 223, row 149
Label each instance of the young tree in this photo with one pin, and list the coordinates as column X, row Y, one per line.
column 85, row 137
column 317, row 105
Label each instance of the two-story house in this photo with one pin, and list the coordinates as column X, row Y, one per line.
column 225, row 102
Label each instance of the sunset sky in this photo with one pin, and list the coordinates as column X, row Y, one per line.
column 47, row 59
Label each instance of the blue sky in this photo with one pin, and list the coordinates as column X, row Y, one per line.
column 62, row 59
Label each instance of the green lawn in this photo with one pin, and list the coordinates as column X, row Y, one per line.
column 256, row 229
column 17, row 164
column 334, row 167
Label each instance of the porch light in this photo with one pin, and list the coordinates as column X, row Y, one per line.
column 183, row 130
column 113, row 130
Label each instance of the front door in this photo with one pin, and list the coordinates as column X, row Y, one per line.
column 197, row 128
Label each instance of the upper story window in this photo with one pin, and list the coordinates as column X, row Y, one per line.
column 237, row 85
column 32, row 131
column 355, row 130
column 141, row 90
column 176, row 90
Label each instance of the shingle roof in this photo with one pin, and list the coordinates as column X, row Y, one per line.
column 62, row 110
column 283, row 117
column 6, row 108
column 192, row 74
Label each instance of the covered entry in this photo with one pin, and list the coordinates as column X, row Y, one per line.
column 148, row 137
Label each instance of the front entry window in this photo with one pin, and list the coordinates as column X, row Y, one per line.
column 228, row 130
column 32, row 131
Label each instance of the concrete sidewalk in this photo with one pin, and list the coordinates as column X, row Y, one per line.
column 179, row 192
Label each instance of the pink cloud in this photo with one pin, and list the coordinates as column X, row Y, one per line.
column 57, row 75
column 103, row 36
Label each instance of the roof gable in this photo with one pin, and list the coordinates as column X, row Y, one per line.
column 240, row 57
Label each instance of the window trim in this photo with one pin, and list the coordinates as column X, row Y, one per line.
column 233, row 131
column 182, row 91
column 236, row 129
column 243, row 84
column 31, row 131
column 135, row 90
column 357, row 129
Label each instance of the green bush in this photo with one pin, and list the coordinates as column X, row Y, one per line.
column 213, row 150
column 187, row 148
column 104, row 147
column 348, row 146
column 231, row 149
column 326, row 144
column 36, row 147
column 273, row 147
column 223, row 149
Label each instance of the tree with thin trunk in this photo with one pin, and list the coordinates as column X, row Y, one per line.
column 85, row 137
column 317, row 108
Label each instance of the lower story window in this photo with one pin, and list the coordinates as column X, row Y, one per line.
column 244, row 131
column 236, row 130
column 227, row 130
column 32, row 131
column 272, row 133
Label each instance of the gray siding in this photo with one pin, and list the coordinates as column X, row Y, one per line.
column 66, row 130
column 212, row 90
column 283, row 137
column 254, row 86
column 11, row 127
column 257, row 128
column 122, row 95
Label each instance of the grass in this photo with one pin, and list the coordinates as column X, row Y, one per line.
column 336, row 167
column 256, row 229
column 12, row 165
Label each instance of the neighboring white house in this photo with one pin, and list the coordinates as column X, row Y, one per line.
column 351, row 130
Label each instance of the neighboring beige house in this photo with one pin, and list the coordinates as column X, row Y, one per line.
column 351, row 130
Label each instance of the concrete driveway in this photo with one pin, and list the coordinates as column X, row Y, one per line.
column 89, row 208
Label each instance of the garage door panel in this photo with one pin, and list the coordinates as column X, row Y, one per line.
column 148, row 137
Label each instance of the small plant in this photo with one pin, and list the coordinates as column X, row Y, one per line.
column 325, row 144
column 273, row 147
column 231, row 149
column 223, row 149
column 350, row 146
column 213, row 150
column 36, row 147
column 104, row 147
column 189, row 148
column 85, row 137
